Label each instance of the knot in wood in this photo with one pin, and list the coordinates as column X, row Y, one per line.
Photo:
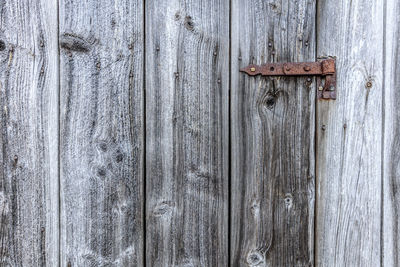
column 162, row 208
column 2, row 45
column 255, row 258
column 189, row 23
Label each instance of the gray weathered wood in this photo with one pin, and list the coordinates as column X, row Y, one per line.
column 29, row 133
column 349, row 136
column 272, row 136
column 79, row 79
column 391, row 156
column 187, row 81
column 101, row 128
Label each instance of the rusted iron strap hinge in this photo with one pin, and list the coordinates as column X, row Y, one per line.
column 323, row 68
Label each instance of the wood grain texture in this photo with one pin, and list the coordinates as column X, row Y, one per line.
column 101, row 127
column 349, row 136
column 391, row 156
column 29, row 133
column 272, row 136
column 187, row 82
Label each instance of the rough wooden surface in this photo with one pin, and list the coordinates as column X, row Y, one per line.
column 101, row 132
column 29, row 149
column 272, row 136
column 77, row 120
column 391, row 156
column 349, row 136
column 187, row 81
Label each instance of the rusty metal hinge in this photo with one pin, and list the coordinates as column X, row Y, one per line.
column 324, row 68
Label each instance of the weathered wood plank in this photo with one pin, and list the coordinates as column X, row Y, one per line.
column 349, row 136
column 272, row 136
column 29, row 133
column 391, row 156
column 101, row 127
column 187, row 82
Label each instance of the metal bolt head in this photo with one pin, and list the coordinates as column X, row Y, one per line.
column 323, row 128
column 307, row 68
column 252, row 69
column 368, row 84
column 308, row 79
column 287, row 68
column 320, row 88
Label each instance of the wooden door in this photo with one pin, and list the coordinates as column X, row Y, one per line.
column 129, row 137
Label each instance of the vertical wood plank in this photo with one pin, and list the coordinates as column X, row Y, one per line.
column 272, row 136
column 391, row 197
column 349, row 135
column 101, row 127
column 187, row 82
column 29, row 133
